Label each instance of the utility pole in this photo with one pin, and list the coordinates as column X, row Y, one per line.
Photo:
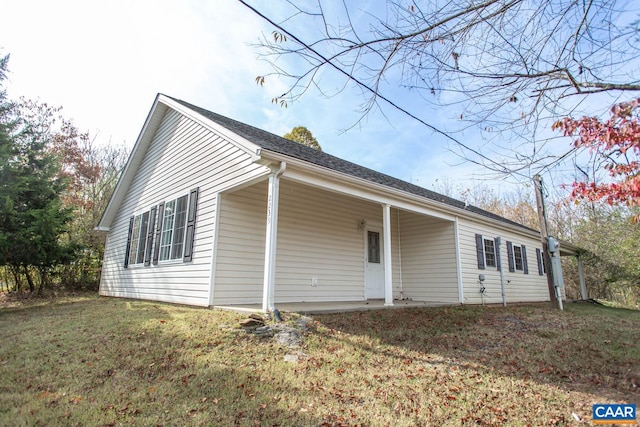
column 544, row 236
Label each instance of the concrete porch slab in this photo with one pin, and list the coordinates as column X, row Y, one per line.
column 331, row 306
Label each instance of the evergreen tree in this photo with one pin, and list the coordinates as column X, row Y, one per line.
column 33, row 220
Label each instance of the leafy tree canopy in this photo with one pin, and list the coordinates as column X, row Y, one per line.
column 304, row 136
column 616, row 142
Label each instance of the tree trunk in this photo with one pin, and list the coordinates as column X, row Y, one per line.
column 43, row 280
column 29, row 279
column 16, row 278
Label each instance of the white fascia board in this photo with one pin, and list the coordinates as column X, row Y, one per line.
column 136, row 156
column 323, row 177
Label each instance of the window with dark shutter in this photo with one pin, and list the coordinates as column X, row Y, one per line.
column 517, row 257
column 156, row 249
column 142, row 237
column 191, row 224
column 179, row 228
column 480, row 251
column 135, row 240
column 489, row 253
column 525, row 265
column 126, row 254
column 150, row 234
column 540, row 262
column 163, row 233
column 512, row 267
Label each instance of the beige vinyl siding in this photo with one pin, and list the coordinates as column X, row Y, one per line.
column 428, row 258
column 183, row 155
column 239, row 270
column 318, row 236
column 519, row 287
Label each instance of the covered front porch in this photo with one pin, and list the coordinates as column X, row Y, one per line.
column 300, row 246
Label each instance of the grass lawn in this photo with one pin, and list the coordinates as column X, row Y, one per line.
column 91, row 361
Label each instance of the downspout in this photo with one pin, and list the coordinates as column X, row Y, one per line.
column 268, row 304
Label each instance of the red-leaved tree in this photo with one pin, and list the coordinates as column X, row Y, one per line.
column 617, row 142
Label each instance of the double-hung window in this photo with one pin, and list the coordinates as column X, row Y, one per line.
column 517, row 256
column 488, row 252
column 167, row 236
column 139, row 229
column 173, row 229
column 541, row 263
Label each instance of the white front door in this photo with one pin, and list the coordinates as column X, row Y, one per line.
column 374, row 264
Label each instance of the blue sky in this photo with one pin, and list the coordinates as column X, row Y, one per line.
column 104, row 62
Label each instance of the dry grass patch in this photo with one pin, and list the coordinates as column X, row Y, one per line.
column 116, row 362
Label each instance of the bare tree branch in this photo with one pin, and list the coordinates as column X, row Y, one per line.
column 506, row 65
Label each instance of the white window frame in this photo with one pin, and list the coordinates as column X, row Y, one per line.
column 138, row 239
column 160, row 234
column 172, row 249
column 517, row 254
column 484, row 252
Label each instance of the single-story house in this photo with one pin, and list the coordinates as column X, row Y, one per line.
column 213, row 212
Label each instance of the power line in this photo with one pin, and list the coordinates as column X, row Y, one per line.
column 368, row 88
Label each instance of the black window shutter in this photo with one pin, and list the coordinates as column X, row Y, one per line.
column 525, row 265
column 539, row 259
column 497, row 251
column 512, row 266
column 480, row 251
column 191, row 225
column 126, row 254
column 156, row 249
column 150, row 233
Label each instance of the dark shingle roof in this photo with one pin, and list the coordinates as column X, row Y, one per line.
column 280, row 145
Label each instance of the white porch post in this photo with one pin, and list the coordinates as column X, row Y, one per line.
column 388, row 277
column 268, row 291
column 583, row 284
column 456, row 241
